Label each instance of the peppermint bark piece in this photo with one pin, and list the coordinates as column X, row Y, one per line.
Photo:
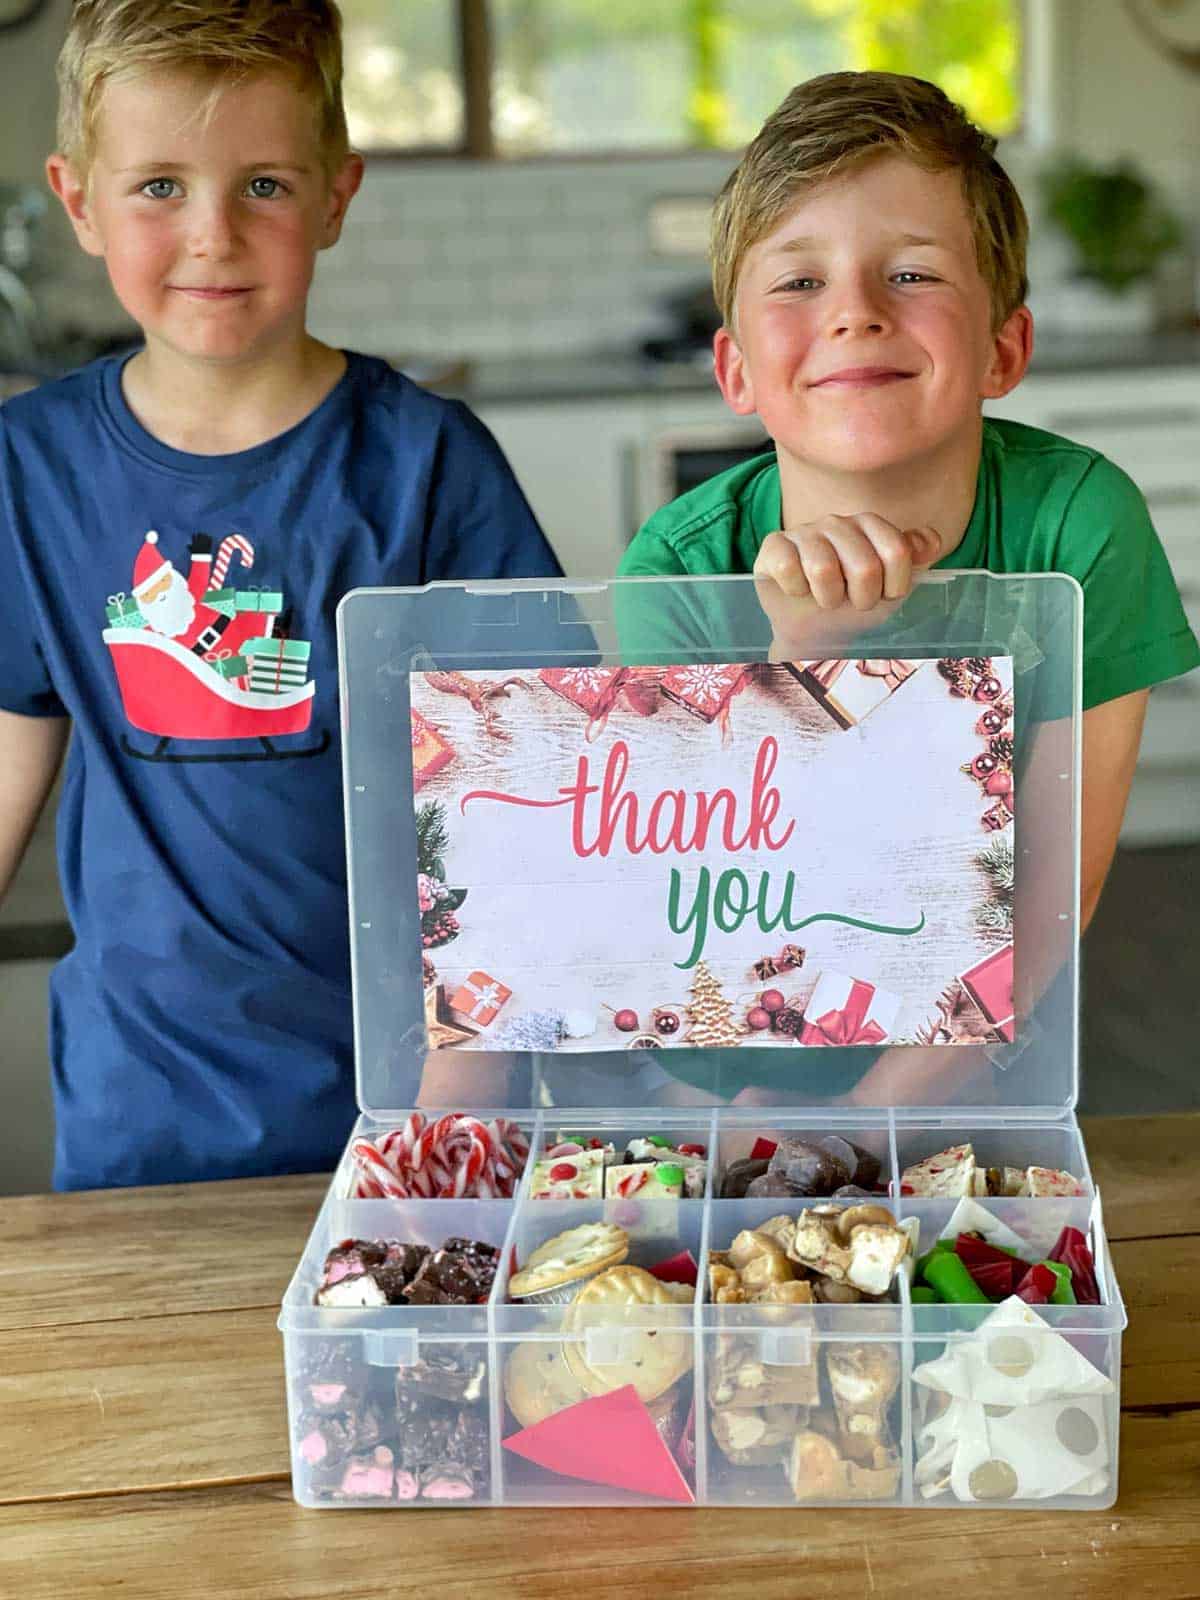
column 946, row 1176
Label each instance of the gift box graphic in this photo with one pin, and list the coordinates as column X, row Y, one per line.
column 277, row 665
column 704, row 690
column 228, row 602
column 851, row 690
column 227, row 665
column 122, row 612
column 593, row 689
column 430, row 752
column 990, row 985
column 479, row 998
column 844, row 1011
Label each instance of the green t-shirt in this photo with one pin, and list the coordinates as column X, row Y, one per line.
column 1042, row 504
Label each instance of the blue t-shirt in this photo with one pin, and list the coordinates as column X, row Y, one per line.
column 201, row 1026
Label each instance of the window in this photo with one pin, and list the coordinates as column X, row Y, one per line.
column 558, row 77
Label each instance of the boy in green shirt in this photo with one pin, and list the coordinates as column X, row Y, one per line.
column 869, row 265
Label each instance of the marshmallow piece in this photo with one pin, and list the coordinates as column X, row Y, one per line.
column 875, row 1253
column 356, row 1289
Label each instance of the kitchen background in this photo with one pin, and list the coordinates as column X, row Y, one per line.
column 531, row 286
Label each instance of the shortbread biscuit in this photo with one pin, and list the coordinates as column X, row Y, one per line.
column 651, row 1359
column 568, row 1258
column 538, row 1382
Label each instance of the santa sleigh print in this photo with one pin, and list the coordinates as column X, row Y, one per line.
column 196, row 660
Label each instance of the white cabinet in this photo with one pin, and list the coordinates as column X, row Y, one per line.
column 594, row 470
column 1148, row 422
column 576, row 461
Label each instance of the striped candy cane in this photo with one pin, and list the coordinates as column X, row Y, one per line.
column 225, row 550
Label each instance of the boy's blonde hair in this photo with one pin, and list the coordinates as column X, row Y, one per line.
column 833, row 123
column 111, row 39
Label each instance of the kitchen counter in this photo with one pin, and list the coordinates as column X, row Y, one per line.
column 144, row 1448
column 596, row 377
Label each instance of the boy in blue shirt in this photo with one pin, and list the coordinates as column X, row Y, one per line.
column 201, row 1026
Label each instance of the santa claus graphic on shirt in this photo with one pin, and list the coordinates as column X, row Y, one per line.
column 174, row 605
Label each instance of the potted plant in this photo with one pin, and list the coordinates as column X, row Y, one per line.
column 1119, row 230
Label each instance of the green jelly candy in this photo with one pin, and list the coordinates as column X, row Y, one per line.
column 665, row 1173
column 952, row 1281
column 923, row 1295
column 939, row 1248
column 657, row 1138
column 1064, row 1289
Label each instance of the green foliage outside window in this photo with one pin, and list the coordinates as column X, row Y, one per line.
column 577, row 75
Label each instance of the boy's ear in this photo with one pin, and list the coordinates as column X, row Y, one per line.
column 1012, row 347
column 732, row 373
column 343, row 186
column 73, row 192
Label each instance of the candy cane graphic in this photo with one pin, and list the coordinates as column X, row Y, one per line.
column 225, row 551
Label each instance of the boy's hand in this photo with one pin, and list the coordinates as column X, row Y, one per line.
column 837, row 561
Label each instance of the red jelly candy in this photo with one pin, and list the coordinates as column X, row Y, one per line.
column 564, row 1171
column 1036, row 1287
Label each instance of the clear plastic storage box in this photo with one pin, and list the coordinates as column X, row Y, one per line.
column 893, row 1399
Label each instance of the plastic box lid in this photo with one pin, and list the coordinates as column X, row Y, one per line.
column 1029, row 626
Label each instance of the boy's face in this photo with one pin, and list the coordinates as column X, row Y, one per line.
column 864, row 336
column 209, row 226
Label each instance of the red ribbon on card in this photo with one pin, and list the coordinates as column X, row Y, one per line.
column 847, row 1026
column 892, row 672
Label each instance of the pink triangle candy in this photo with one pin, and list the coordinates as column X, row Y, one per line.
column 608, row 1439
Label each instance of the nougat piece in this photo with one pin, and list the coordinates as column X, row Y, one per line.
column 817, row 1470
column 757, row 1438
column 815, row 1244
column 724, row 1285
column 779, row 1228
column 738, row 1378
column 861, row 1246
column 791, row 1293
column 759, row 1260
column 863, row 1379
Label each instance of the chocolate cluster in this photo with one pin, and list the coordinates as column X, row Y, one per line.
column 390, row 1272
column 806, row 1167
column 374, row 1435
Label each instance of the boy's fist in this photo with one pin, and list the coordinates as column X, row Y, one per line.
column 847, row 560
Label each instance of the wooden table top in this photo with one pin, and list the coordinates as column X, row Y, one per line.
column 144, row 1450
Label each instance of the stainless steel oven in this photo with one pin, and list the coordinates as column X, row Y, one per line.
column 679, row 458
